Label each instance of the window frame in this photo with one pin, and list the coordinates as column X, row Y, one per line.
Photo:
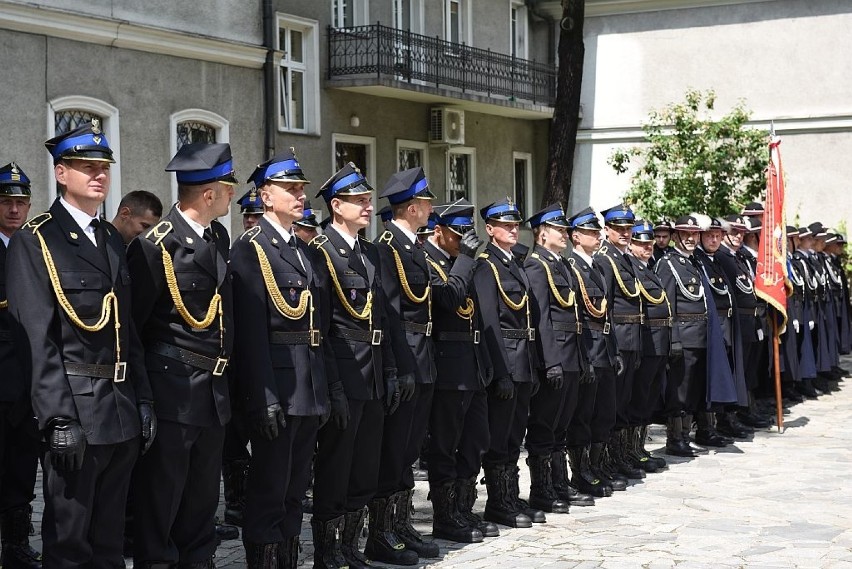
column 423, row 147
column 220, row 123
column 110, row 128
column 309, row 67
column 523, row 19
column 461, row 150
column 370, row 143
column 360, row 13
column 527, row 158
column 465, row 29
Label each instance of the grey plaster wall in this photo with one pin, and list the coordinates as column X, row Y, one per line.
column 214, row 18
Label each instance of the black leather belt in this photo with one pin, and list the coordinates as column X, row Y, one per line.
column 311, row 337
column 568, row 327
column 691, row 317
column 518, row 333
column 628, row 318
column 659, row 322
column 215, row 365
column 747, row 311
column 598, row 326
column 725, row 312
column 417, row 328
column 458, row 337
column 373, row 337
column 115, row 372
column 5, row 336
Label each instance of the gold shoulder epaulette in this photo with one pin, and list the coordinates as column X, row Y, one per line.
column 38, row 221
column 386, row 237
column 318, row 241
column 159, row 232
column 534, row 255
column 483, row 255
column 602, row 251
column 572, row 261
column 251, row 233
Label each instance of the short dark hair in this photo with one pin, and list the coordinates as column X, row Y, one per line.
column 140, row 201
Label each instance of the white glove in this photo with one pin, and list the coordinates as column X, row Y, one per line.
column 810, row 324
column 796, row 326
column 759, row 334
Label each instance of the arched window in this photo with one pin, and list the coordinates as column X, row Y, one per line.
column 195, row 125
column 67, row 113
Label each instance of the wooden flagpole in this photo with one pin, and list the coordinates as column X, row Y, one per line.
column 779, row 407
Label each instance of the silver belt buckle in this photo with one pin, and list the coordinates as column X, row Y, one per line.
column 219, row 369
column 531, row 333
column 606, row 328
column 376, row 338
column 120, row 372
column 579, row 327
column 476, row 336
column 429, row 328
column 730, row 312
column 315, row 338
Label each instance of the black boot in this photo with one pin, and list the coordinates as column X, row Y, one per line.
column 447, row 523
column 537, row 516
column 289, row 556
column 327, row 552
column 706, row 434
column 263, row 555
column 542, row 493
column 234, row 477
column 382, row 543
column 465, row 500
column 728, row 425
column 582, row 476
column 675, row 444
column 641, row 437
column 562, row 483
column 686, row 424
column 597, row 456
column 618, row 451
column 349, row 545
column 15, row 535
column 499, row 507
column 806, row 389
column 406, row 532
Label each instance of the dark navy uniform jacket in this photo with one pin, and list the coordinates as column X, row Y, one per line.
column 106, row 409
column 721, row 289
column 509, row 355
column 657, row 336
column 360, row 365
column 462, row 364
column 558, row 328
column 736, row 269
column 682, row 282
column 615, row 266
column 15, row 386
column 601, row 342
column 185, row 394
column 275, row 369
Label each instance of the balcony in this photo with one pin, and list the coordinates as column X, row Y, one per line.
column 388, row 62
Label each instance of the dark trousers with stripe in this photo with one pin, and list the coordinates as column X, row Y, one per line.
column 458, row 434
column 404, row 433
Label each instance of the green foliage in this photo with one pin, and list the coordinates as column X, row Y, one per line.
column 693, row 163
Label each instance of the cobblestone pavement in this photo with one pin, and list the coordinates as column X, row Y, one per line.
column 778, row 500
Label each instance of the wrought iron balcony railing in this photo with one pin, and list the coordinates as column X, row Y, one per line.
column 388, row 53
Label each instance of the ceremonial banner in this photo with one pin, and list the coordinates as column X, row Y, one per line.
column 769, row 281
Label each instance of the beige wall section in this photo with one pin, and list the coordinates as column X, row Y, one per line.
column 776, row 55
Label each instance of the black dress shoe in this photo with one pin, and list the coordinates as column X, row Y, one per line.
column 752, row 420
column 711, row 438
column 227, row 532
column 805, row 388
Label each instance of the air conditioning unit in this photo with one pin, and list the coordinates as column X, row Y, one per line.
column 446, row 126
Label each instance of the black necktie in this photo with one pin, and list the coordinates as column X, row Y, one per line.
column 208, row 235
column 100, row 237
column 292, row 243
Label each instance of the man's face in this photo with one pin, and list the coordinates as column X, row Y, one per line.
column 250, row 220
column 735, row 238
column 285, row 199
column 447, row 239
column 589, row 240
column 84, row 180
column 555, row 238
column 503, row 233
column 806, row 242
column 618, row 235
column 130, row 225
column 686, row 240
column 662, row 238
column 13, row 213
column 420, row 211
column 223, row 194
column 819, row 245
column 305, row 233
column 642, row 250
column 711, row 240
column 356, row 210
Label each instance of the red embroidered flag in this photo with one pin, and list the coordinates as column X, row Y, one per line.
column 772, row 254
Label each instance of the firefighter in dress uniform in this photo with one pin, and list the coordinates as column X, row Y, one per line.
column 70, row 299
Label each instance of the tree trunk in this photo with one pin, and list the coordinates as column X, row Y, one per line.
column 566, row 119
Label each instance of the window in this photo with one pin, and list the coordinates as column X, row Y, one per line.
column 411, row 154
column 298, row 75
column 361, row 151
column 523, row 181
column 461, row 174
column 195, row 131
column 518, row 29
column 67, row 113
column 349, row 13
column 195, row 125
column 457, row 21
column 408, row 15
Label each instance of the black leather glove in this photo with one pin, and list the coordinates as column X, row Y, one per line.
column 391, row 393
column 149, row 425
column 619, row 364
column 504, row 388
column 470, row 243
column 339, row 405
column 554, row 377
column 67, row 444
column 588, row 374
column 406, row 386
column 676, row 352
column 266, row 421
